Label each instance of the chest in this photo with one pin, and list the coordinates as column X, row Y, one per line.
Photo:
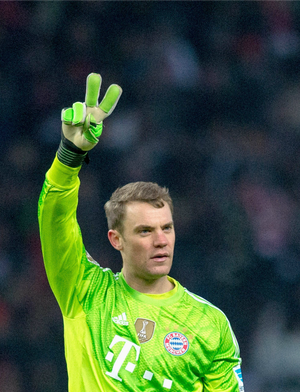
column 150, row 344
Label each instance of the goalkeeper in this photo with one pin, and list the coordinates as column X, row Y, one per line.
column 137, row 330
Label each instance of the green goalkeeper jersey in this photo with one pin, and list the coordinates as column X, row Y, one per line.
column 116, row 338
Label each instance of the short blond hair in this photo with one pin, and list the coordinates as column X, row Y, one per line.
column 148, row 192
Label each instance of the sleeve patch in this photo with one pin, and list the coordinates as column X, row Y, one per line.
column 238, row 374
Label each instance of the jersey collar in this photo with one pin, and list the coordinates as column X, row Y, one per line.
column 160, row 299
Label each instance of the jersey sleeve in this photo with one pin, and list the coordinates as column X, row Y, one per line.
column 68, row 270
column 225, row 372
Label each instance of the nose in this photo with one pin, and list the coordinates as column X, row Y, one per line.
column 160, row 240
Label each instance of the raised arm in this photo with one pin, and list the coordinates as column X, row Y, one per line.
column 62, row 246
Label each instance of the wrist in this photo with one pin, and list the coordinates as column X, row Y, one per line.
column 69, row 154
column 62, row 176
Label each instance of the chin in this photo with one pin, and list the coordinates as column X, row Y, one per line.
column 160, row 271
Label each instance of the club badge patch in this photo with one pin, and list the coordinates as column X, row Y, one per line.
column 176, row 343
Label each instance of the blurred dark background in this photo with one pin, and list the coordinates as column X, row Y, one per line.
column 211, row 109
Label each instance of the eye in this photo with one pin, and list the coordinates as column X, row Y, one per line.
column 168, row 228
column 145, row 231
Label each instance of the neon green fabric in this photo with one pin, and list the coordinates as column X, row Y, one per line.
column 117, row 339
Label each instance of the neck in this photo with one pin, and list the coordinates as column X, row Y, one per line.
column 149, row 286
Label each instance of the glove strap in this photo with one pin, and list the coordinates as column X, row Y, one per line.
column 69, row 154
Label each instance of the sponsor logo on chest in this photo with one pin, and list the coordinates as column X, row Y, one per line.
column 121, row 319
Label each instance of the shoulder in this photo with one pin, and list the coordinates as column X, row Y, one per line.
column 98, row 283
column 94, row 271
column 202, row 308
column 210, row 322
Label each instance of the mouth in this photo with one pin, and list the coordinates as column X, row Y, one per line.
column 160, row 257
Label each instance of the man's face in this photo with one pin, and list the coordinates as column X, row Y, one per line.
column 147, row 241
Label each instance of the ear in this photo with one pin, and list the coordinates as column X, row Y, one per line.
column 115, row 239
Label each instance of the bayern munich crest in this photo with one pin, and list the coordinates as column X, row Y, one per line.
column 176, row 343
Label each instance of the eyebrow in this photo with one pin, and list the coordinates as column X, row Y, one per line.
column 171, row 223
column 144, row 227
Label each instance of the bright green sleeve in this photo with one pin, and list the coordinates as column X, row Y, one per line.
column 225, row 372
column 61, row 240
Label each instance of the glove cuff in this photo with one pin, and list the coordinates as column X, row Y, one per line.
column 69, row 154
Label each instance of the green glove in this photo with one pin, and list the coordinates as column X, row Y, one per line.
column 82, row 124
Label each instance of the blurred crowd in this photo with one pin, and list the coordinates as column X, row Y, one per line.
column 211, row 109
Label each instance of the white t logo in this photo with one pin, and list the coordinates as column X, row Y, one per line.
column 121, row 357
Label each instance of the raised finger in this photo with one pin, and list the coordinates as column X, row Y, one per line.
column 93, row 84
column 110, row 99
